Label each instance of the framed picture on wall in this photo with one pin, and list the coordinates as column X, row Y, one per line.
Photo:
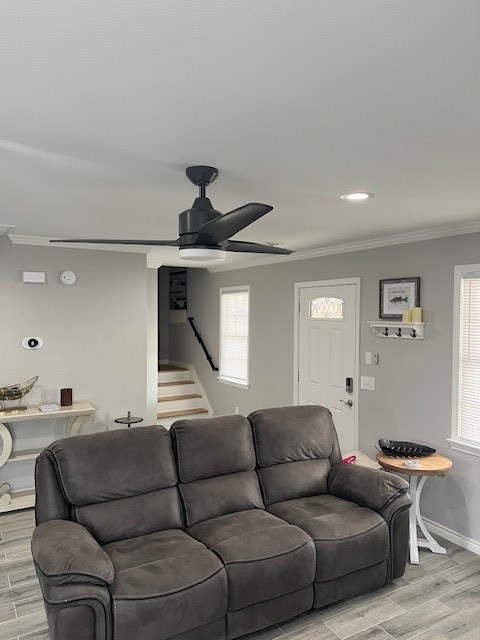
column 398, row 295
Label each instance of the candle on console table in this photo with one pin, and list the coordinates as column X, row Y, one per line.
column 407, row 315
column 66, row 397
column 417, row 314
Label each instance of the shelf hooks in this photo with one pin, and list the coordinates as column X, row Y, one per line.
column 398, row 330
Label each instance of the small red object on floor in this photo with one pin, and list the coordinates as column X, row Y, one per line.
column 350, row 459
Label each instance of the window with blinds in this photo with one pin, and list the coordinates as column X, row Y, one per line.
column 234, row 329
column 466, row 406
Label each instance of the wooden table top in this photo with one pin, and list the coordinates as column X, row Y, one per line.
column 432, row 465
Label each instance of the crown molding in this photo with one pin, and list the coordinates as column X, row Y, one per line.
column 362, row 245
column 39, row 241
column 467, row 227
column 5, row 229
column 33, row 240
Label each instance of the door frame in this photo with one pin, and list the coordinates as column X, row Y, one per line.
column 296, row 332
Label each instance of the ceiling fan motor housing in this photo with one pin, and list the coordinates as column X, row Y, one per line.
column 202, row 211
column 190, row 220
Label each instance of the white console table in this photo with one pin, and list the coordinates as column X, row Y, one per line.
column 75, row 416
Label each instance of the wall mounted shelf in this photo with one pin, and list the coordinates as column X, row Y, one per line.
column 398, row 330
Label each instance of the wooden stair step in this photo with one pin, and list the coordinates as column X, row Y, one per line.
column 175, row 382
column 187, row 396
column 181, row 412
column 170, row 367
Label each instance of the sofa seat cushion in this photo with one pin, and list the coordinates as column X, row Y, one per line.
column 347, row 537
column 165, row 583
column 264, row 556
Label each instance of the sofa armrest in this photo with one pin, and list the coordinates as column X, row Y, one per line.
column 65, row 552
column 78, row 611
column 384, row 492
column 368, row 487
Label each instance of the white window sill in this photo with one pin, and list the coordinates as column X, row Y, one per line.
column 464, row 447
column 240, row 385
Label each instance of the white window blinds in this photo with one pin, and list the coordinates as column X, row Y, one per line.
column 468, row 416
column 234, row 320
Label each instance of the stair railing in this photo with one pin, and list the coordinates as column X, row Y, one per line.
column 202, row 344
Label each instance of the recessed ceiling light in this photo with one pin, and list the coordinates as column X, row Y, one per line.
column 357, row 197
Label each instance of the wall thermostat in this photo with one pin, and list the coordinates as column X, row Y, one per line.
column 32, row 343
column 68, row 277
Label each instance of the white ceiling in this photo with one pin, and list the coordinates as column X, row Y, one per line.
column 105, row 102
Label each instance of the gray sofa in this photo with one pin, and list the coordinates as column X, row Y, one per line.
column 213, row 530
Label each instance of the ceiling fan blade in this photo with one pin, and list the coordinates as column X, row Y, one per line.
column 253, row 247
column 226, row 226
column 154, row 243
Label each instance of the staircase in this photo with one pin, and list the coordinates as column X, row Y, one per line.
column 179, row 395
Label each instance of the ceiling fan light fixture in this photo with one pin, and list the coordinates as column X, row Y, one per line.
column 201, row 254
column 357, row 197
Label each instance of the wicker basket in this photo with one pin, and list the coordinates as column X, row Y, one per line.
column 15, row 392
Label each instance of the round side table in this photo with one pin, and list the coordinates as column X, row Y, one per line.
column 128, row 419
column 433, row 465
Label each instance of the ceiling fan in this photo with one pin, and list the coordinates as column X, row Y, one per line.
column 204, row 233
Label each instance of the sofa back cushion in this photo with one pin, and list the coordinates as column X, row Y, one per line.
column 120, row 484
column 50, row 503
column 296, row 447
column 216, row 466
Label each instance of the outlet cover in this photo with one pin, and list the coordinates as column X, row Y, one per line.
column 367, row 383
column 368, row 357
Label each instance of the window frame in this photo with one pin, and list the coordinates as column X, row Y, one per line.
column 225, row 379
column 455, row 441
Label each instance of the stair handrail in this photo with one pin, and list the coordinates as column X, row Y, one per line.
column 202, row 344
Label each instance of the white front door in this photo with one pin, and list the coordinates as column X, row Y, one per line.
column 327, row 354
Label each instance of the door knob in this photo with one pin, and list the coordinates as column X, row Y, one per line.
column 349, row 403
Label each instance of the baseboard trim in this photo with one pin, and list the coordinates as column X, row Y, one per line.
column 453, row 536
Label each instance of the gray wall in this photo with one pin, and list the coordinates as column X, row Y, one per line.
column 163, row 313
column 95, row 333
column 152, row 346
column 413, row 379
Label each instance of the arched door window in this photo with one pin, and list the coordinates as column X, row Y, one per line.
column 326, row 309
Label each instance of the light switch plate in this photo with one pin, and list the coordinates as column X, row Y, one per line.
column 368, row 357
column 367, row 383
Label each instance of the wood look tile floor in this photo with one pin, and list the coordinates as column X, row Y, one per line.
column 439, row 599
